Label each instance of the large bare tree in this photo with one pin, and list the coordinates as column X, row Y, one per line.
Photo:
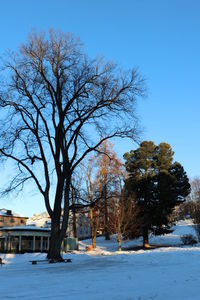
column 56, row 105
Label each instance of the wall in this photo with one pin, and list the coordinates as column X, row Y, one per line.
column 10, row 221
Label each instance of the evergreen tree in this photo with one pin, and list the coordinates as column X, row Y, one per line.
column 163, row 156
column 158, row 184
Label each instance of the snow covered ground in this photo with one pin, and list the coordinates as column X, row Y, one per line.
column 163, row 273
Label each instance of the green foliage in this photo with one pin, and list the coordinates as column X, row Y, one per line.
column 158, row 183
column 140, row 162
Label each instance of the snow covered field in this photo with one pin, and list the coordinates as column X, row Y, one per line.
column 164, row 273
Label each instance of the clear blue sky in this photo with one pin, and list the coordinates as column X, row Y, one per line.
column 161, row 38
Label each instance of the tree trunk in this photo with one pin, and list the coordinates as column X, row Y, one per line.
column 146, row 239
column 74, row 223
column 58, row 229
column 119, row 237
column 74, row 227
column 54, row 252
column 94, row 240
column 93, row 228
column 106, row 230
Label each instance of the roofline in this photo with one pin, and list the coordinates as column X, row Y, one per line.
column 24, row 229
column 13, row 216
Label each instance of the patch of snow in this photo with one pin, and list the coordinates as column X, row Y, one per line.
column 161, row 274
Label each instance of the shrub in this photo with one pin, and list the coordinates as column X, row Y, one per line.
column 188, row 239
column 197, row 229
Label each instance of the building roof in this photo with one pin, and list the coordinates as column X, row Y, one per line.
column 8, row 213
column 25, row 228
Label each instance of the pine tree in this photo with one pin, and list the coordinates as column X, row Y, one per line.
column 158, row 184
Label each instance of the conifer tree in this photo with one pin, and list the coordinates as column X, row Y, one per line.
column 158, row 184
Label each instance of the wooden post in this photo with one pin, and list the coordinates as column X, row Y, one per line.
column 6, row 244
column 9, row 244
column 33, row 243
column 48, row 243
column 20, row 244
column 41, row 243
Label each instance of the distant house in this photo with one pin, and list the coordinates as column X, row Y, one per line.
column 16, row 237
column 8, row 218
column 19, row 234
column 82, row 223
column 21, row 239
column 40, row 220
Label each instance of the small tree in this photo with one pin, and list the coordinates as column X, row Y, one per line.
column 109, row 173
column 75, row 199
column 93, row 198
column 123, row 215
column 195, row 204
column 158, row 183
column 104, row 176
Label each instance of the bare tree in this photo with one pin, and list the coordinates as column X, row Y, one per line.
column 75, row 198
column 109, row 168
column 93, row 198
column 195, row 204
column 56, row 104
column 123, row 216
column 195, row 189
column 103, row 177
